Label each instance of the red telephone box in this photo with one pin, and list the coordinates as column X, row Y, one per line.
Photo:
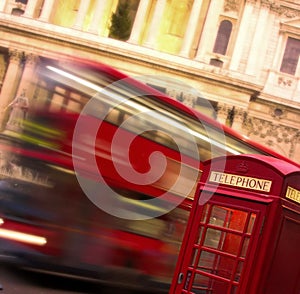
column 243, row 234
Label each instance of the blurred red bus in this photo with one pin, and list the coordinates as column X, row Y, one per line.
column 48, row 223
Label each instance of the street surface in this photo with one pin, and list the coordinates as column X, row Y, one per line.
column 17, row 281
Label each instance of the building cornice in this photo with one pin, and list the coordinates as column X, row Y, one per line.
column 288, row 104
column 291, row 4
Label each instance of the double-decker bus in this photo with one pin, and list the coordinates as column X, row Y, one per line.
column 78, row 177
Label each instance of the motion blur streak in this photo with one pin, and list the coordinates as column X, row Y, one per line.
column 47, row 222
column 22, row 237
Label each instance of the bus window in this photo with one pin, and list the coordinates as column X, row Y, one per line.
column 65, row 86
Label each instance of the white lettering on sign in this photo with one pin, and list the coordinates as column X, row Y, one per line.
column 240, row 181
column 293, row 194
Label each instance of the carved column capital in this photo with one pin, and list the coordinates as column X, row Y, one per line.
column 31, row 59
column 239, row 114
column 223, row 109
column 16, row 56
column 222, row 112
column 231, row 5
column 251, row 1
column 266, row 3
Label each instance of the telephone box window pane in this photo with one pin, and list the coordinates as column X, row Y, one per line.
column 194, row 257
column 204, row 213
column 220, row 216
column 206, row 285
column 238, row 220
column 217, row 265
column 213, row 238
column 245, row 247
column 228, row 218
column 199, row 237
column 239, row 271
column 220, row 287
column 202, row 284
column 251, row 223
column 231, row 243
column 206, row 261
column 225, row 267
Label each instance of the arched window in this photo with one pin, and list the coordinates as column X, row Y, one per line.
column 223, row 36
column 291, row 56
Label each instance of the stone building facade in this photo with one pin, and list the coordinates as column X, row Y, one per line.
column 241, row 55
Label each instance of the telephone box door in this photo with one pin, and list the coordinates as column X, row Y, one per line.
column 219, row 247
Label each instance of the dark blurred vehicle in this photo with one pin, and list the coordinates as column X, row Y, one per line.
column 47, row 220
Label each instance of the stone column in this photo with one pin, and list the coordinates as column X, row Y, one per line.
column 2, row 5
column 139, row 22
column 30, row 8
column 222, row 113
column 238, row 119
column 81, row 14
column 242, row 35
column 191, row 28
column 10, row 83
column 99, row 9
column 279, row 49
column 26, row 83
column 210, row 29
column 47, row 10
column 258, row 44
column 155, row 23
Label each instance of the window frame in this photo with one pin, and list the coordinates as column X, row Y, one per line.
column 295, row 68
